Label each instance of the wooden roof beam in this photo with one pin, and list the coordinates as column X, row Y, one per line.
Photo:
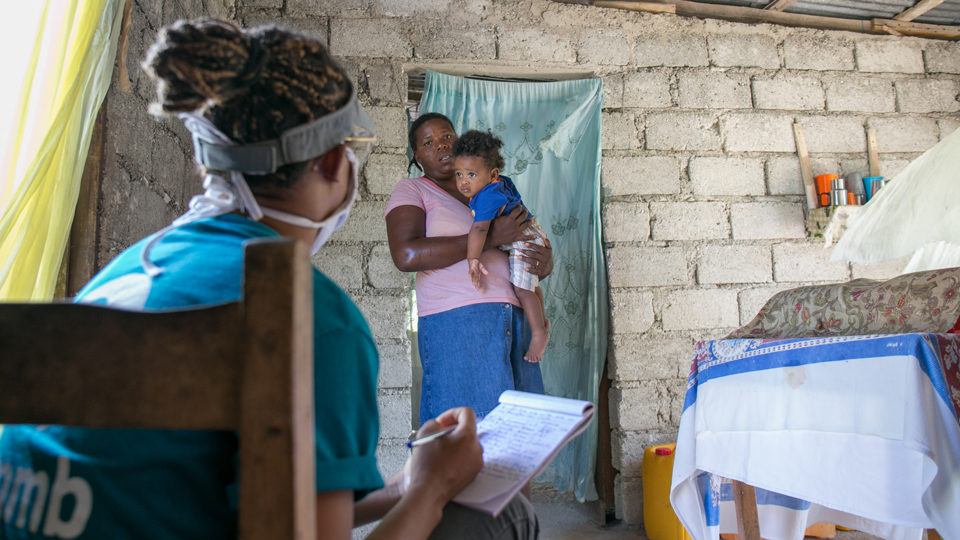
column 779, row 5
column 917, row 10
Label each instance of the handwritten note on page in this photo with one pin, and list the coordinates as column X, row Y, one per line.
column 519, row 438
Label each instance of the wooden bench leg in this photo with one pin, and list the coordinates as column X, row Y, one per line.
column 932, row 535
column 745, row 501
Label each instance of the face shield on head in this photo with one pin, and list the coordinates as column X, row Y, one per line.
column 226, row 189
column 348, row 125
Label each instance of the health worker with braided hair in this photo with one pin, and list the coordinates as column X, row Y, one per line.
column 277, row 129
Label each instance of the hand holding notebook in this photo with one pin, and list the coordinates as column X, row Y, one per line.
column 520, row 437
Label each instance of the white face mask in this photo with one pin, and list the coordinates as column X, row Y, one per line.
column 332, row 224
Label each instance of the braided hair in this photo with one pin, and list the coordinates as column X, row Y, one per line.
column 251, row 84
column 482, row 144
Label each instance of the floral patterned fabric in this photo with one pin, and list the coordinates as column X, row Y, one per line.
column 918, row 302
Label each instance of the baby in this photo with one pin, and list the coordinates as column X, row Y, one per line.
column 476, row 165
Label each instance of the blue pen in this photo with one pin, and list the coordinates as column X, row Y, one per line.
column 431, row 437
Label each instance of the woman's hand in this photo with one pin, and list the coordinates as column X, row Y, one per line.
column 447, row 465
column 539, row 258
column 509, row 228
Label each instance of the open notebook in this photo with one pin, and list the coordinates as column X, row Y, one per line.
column 520, row 437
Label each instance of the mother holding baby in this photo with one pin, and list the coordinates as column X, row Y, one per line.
column 471, row 342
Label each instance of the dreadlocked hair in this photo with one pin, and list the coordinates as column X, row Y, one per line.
column 482, row 144
column 251, row 84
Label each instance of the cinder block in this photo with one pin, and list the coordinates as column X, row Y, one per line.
column 395, row 370
column 630, row 501
column 619, row 131
column 860, row 94
column 371, row 38
column 689, row 220
column 890, row 168
column 833, row 134
column 386, row 315
column 817, row 53
column 900, row 134
column 743, row 50
column 341, row 263
column 532, row 44
column 443, row 41
column 759, row 220
column 726, row 176
column 676, row 49
column 889, row 56
column 754, row 298
column 366, row 224
column 392, row 454
column 391, row 125
column 682, row 131
column 626, row 222
column 613, row 91
column 789, row 92
column 406, row 8
column 653, row 175
column 382, row 171
column 734, row 264
column 879, row 271
column 758, row 132
column 381, row 80
column 630, row 312
column 783, row 176
column 382, row 273
column 806, row 263
column 314, row 26
column 638, row 408
column 700, row 309
column 646, row 266
column 395, row 415
column 943, row 57
column 329, row 8
column 927, row 95
column 628, row 448
column 948, row 126
column 634, row 357
column 647, row 89
column 714, row 90
column 606, row 48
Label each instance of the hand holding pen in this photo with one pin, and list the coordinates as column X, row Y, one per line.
column 446, row 455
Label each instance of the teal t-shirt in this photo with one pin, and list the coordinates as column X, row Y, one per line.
column 59, row 482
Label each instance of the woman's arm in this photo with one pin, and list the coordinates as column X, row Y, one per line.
column 413, row 251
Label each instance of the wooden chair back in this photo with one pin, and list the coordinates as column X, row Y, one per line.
column 244, row 367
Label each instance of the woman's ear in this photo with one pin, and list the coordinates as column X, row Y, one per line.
column 330, row 164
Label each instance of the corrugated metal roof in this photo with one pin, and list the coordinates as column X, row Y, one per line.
column 946, row 13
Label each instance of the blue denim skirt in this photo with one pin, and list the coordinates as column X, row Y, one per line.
column 470, row 355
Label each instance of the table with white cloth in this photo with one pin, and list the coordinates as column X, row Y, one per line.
column 860, row 431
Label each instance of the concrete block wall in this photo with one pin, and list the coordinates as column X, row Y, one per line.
column 703, row 206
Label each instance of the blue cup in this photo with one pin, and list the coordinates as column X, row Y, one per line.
column 871, row 184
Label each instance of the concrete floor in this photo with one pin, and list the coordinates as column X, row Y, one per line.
column 569, row 520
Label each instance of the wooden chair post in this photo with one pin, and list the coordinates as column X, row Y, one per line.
column 277, row 467
column 745, row 501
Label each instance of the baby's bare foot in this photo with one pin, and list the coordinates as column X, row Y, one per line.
column 538, row 345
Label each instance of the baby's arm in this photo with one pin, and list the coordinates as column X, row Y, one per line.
column 476, row 238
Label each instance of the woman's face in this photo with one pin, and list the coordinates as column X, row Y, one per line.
column 434, row 144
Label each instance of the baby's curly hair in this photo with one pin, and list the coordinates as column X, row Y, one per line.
column 480, row 144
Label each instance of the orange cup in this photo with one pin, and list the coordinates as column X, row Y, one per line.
column 823, row 187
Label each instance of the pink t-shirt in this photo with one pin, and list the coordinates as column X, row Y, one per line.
column 450, row 287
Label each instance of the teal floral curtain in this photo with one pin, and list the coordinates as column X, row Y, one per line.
column 551, row 134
